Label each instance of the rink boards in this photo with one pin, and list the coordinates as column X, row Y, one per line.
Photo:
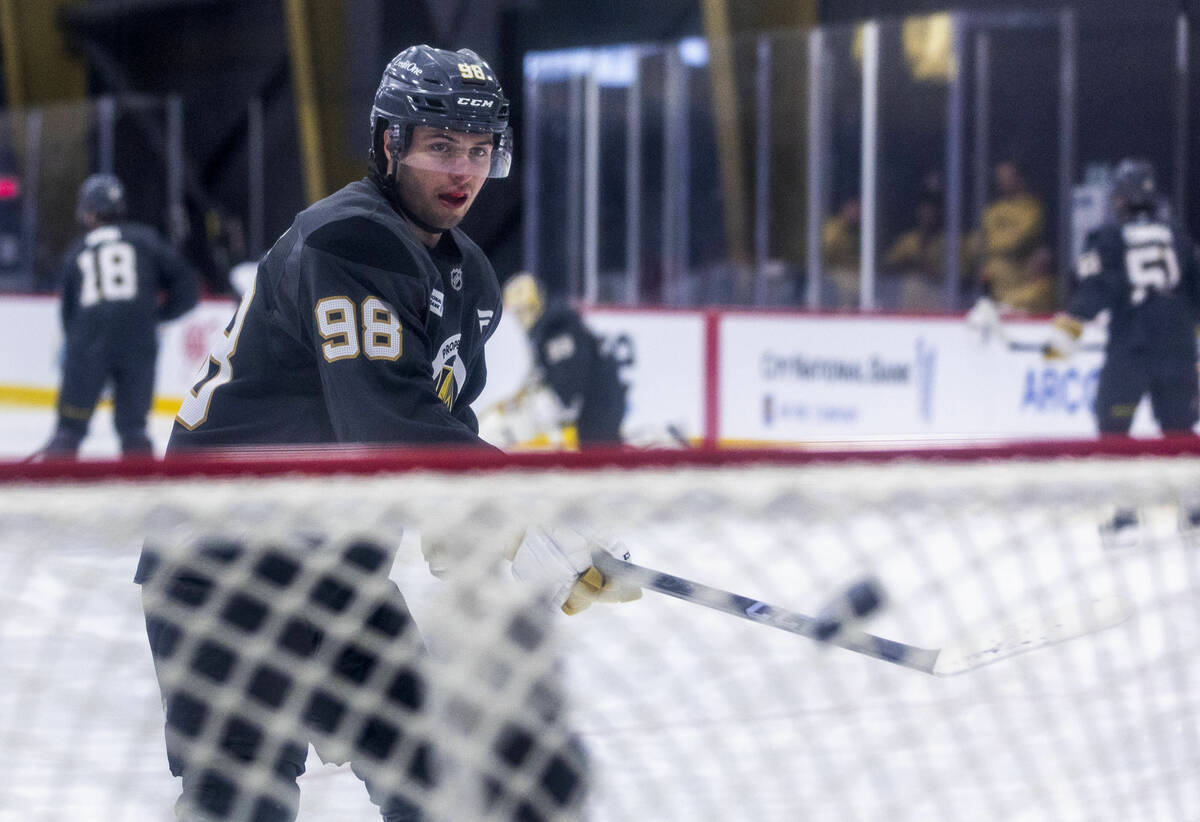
column 734, row 377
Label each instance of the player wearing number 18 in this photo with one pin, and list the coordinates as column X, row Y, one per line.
column 119, row 280
column 1143, row 270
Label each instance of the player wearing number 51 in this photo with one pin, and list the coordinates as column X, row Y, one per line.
column 119, row 280
column 1142, row 268
column 366, row 322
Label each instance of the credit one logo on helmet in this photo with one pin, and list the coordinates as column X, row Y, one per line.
column 474, row 102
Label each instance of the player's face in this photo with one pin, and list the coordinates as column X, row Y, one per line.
column 441, row 174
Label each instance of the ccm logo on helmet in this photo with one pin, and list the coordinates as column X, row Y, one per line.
column 475, row 103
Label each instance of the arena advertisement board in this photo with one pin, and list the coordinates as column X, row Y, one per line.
column 774, row 379
column 184, row 343
column 32, row 326
column 796, row 378
column 662, row 360
column 31, row 331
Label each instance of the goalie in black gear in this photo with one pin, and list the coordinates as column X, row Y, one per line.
column 1142, row 268
column 574, row 397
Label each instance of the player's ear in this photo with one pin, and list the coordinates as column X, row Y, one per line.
column 389, row 140
column 387, row 145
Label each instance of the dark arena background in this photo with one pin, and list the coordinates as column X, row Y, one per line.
column 890, row 312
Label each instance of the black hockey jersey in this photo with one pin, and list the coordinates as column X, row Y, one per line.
column 118, row 282
column 353, row 332
column 581, row 374
column 1145, row 272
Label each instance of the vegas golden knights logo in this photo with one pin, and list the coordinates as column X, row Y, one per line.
column 449, row 371
column 445, row 386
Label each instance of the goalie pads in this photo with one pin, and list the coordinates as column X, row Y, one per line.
column 533, row 417
column 559, row 560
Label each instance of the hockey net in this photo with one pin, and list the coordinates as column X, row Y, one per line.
column 480, row 704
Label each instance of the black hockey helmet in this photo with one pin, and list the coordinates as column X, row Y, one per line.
column 1134, row 185
column 452, row 90
column 102, row 196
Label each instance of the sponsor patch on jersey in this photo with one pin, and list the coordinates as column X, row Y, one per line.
column 456, row 276
column 449, row 372
column 560, row 348
column 485, row 318
column 436, row 298
column 1089, row 265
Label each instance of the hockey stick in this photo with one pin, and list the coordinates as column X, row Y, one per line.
column 985, row 320
column 1040, row 347
column 1044, row 627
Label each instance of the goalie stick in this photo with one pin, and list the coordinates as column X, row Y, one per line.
column 1044, row 626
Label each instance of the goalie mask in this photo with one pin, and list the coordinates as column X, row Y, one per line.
column 454, row 91
column 523, row 296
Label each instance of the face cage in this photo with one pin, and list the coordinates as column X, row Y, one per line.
column 501, row 160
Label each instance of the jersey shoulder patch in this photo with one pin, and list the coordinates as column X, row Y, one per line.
column 558, row 348
column 1089, row 264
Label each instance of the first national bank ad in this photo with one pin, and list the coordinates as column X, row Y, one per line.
column 840, row 378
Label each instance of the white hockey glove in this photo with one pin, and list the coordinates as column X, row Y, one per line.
column 984, row 318
column 1065, row 332
column 560, row 560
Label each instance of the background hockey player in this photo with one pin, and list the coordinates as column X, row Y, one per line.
column 120, row 279
column 1142, row 269
column 574, row 396
column 365, row 323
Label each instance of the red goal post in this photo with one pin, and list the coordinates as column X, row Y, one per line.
column 663, row 709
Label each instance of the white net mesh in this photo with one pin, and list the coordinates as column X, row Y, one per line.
column 278, row 627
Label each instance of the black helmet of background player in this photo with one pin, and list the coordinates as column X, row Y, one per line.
column 1133, row 187
column 101, row 200
column 525, row 299
column 451, row 90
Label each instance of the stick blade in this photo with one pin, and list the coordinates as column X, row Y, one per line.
column 1040, row 627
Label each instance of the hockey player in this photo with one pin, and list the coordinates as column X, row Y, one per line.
column 365, row 323
column 119, row 280
column 1143, row 270
column 373, row 288
column 574, row 395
